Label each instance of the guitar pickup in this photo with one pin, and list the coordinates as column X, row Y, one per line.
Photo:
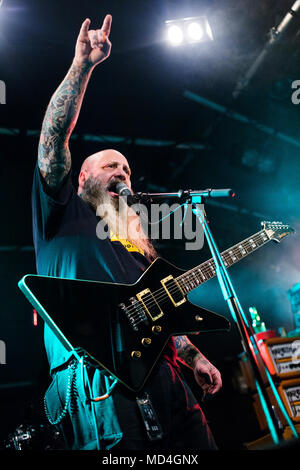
column 150, row 304
column 173, row 290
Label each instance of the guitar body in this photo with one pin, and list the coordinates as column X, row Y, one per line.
column 123, row 335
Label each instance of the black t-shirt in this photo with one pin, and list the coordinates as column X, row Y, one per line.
column 66, row 245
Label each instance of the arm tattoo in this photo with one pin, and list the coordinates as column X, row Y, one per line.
column 186, row 351
column 54, row 158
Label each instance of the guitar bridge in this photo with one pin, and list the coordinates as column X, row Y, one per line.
column 171, row 285
column 134, row 313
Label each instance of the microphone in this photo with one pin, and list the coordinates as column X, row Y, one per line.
column 123, row 191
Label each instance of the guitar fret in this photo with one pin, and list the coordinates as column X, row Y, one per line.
column 236, row 254
column 242, row 250
column 201, row 274
column 212, row 267
column 209, row 274
column 264, row 236
column 182, row 285
column 260, row 239
column 228, row 259
column 232, row 256
column 248, row 248
column 190, row 282
column 195, row 280
column 224, row 261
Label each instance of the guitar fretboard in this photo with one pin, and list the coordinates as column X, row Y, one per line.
column 207, row 270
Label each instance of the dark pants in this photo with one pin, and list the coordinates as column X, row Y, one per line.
column 182, row 421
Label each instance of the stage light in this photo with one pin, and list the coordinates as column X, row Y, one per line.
column 195, row 31
column 250, row 158
column 188, row 30
column 259, row 161
column 175, row 35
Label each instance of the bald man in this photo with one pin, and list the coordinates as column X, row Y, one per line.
column 67, row 244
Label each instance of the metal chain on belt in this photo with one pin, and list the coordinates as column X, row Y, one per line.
column 72, row 368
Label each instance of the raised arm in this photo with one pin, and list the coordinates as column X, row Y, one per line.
column 206, row 374
column 54, row 158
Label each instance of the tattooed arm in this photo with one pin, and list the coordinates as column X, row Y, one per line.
column 54, row 157
column 206, row 374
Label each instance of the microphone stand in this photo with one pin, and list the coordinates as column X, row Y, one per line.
column 184, row 194
column 196, row 198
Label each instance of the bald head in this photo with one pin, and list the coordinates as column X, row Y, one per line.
column 105, row 165
column 102, row 156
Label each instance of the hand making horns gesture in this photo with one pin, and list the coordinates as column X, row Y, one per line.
column 93, row 46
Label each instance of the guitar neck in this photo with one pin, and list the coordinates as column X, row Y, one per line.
column 207, row 270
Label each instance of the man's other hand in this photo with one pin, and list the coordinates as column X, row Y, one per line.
column 207, row 376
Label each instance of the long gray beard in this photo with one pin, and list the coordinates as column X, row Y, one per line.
column 123, row 221
column 94, row 193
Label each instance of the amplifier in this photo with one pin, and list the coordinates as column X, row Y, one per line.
column 282, row 356
column 260, row 415
column 289, row 391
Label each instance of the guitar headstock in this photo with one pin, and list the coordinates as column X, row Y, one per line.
column 277, row 230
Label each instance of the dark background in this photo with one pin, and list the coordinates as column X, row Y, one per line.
column 136, row 102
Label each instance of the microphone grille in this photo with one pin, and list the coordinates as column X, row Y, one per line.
column 122, row 189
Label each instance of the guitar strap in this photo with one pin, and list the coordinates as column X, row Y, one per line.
column 127, row 244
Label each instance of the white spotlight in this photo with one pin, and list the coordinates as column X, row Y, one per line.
column 175, row 35
column 188, row 30
column 195, row 31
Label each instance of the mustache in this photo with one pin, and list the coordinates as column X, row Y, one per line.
column 111, row 186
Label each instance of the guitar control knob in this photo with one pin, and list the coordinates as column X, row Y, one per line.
column 156, row 329
column 146, row 341
column 136, row 354
column 198, row 318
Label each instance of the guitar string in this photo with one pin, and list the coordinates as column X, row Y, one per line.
column 155, row 297
column 195, row 283
column 191, row 283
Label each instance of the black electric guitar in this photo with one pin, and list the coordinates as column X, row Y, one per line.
column 124, row 328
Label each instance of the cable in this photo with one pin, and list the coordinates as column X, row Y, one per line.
column 94, row 400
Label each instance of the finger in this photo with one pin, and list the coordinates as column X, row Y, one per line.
column 101, row 37
column 213, row 390
column 92, row 34
column 216, row 385
column 202, row 382
column 106, row 25
column 205, row 389
column 83, row 33
column 106, row 48
column 206, row 377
